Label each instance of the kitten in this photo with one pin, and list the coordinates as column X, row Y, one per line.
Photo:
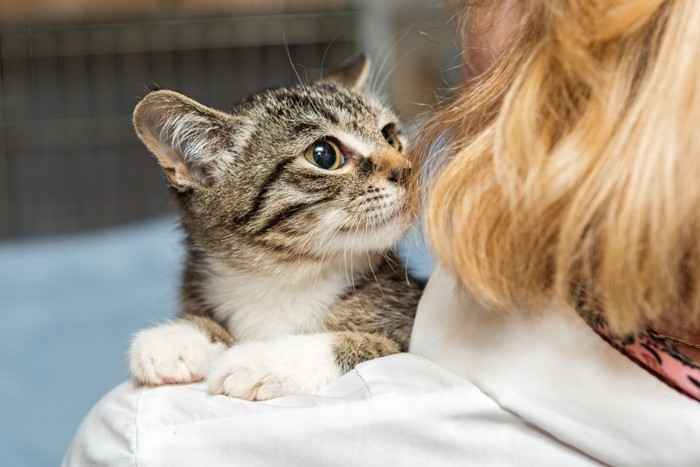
column 291, row 204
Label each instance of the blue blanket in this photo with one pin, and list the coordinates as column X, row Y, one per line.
column 67, row 309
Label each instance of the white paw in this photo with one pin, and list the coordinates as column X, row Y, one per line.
column 266, row 370
column 172, row 353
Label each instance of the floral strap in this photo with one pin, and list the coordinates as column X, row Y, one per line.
column 653, row 352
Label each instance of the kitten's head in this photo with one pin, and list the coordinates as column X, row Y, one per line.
column 313, row 170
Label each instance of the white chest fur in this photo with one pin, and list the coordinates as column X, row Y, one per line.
column 265, row 307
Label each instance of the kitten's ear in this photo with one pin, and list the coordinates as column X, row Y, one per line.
column 188, row 138
column 352, row 73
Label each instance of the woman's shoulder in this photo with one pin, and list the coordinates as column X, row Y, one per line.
column 398, row 410
column 551, row 369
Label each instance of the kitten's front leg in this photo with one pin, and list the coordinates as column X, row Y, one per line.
column 177, row 352
column 293, row 365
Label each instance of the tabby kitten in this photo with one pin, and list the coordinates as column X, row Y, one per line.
column 291, row 204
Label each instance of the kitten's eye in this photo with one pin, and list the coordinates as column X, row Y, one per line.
column 324, row 154
column 390, row 133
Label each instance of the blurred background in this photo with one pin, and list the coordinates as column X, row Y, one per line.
column 89, row 247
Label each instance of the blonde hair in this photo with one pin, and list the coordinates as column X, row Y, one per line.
column 575, row 160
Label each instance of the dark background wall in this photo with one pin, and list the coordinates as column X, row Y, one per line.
column 72, row 71
column 69, row 159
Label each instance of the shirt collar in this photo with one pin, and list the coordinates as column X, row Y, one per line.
column 552, row 370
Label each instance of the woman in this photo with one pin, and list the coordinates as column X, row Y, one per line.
column 571, row 189
column 562, row 205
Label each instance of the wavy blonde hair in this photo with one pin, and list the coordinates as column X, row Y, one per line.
column 575, row 159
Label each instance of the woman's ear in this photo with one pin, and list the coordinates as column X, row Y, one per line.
column 189, row 139
column 352, row 73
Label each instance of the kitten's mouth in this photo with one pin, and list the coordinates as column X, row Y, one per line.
column 382, row 219
column 374, row 229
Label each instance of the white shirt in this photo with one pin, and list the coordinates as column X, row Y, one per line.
column 556, row 374
column 480, row 388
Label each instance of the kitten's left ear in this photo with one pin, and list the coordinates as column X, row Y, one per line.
column 352, row 73
column 188, row 139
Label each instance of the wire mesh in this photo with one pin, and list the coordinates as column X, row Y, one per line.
column 69, row 159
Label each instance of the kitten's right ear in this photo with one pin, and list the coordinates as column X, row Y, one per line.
column 188, row 138
column 352, row 73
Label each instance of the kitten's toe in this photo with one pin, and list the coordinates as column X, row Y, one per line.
column 173, row 353
column 253, row 381
column 256, row 371
column 251, row 385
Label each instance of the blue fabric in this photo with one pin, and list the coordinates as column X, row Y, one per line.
column 67, row 308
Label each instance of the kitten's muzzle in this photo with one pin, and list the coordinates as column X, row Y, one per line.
column 398, row 175
column 394, row 165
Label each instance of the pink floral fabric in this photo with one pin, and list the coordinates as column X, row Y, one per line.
column 649, row 350
column 658, row 356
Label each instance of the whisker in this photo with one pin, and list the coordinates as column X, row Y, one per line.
column 325, row 52
column 379, row 286
column 393, row 44
column 393, row 69
column 325, row 249
column 352, row 269
column 289, row 55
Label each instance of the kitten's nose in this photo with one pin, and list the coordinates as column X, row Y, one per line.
column 396, row 173
column 395, row 165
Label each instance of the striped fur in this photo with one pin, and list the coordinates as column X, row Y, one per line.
column 276, row 245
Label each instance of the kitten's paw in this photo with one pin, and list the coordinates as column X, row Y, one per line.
column 173, row 353
column 290, row 365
